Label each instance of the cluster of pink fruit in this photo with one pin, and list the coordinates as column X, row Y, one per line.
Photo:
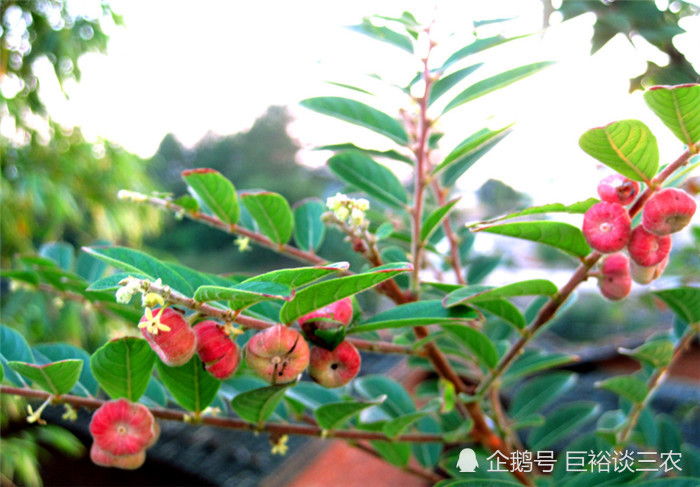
column 607, row 227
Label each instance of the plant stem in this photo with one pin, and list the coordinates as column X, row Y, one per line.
column 441, row 195
column 654, row 382
column 230, row 423
column 581, row 274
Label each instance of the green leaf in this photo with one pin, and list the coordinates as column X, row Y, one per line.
column 187, row 203
column 482, row 348
column 470, row 146
column 396, row 426
column 192, row 387
column 579, row 207
column 309, row 230
column 678, row 107
column 494, row 83
column 539, row 392
column 299, row 276
column 217, row 192
column 478, row 294
column 435, row 218
column 630, row 387
column 684, row 301
column 627, row 146
column 349, row 147
column 257, row 405
column 398, row 402
column 56, row 378
column 560, row 422
column 60, row 252
column 503, row 309
column 244, row 294
column 669, row 435
column 477, row 46
column 444, row 84
column 323, row 293
column 419, row 313
column 369, row 176
column 562, row 236
column 111, row 283
column 155, row 394
column 481, row 266
column 123, row 367
column 312, row 395
column 657, row 353
column 397, row 454
column 427, row 454
column 335, row 415
column 13, row 347
column 53, row 352
column 360, row 114
column 532, row 361
column 272, row 214
column 384, row 34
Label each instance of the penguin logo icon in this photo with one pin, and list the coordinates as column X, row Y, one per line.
column 467, row 461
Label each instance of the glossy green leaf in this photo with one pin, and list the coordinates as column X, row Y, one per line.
column 477, row 46
column 365, row 174
column 678, row 107
column 271, row 213
column 53, row 352
column 444, row 84
column 323, row 293
column 478, row 294
column 187, row 203
column 217, row 192
column 384, row 34
column 627, row 146
column 398, row 402
column 579, row 207
column 684, row 301
column 349, row 147
column 13, row 347
column 560, row 422
column 309, row 230
column 336, row 415
column 398, row 454
column 630, row 387
column 56, row 378
column 505, row 310
column 397, row 426
column 531, row 361
column 419, row 313
column 257, row 405
column 123, row 367
column 190, row 385
column 482, row 348
column 360, row 114
column 61, row 253
column 299, row 276
column 539, row 392
column 657, row 353
column 435, row 219
column 244, row 294
column 470, row 146
column 562, row 236
column 494, row 83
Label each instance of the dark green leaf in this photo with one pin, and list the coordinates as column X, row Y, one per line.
column 630, row 387
column 123, row 367
column 477, row 294
column 360, row 114
column 397, row 426
column 217, row 192
column 494, row 83
column 56, row 378
column 443, row 85
column 257, row 405
column 323, row 293
column 13, row 347
column 60, row 252
column 155, row 395
column 369, row 176
column 560, row 422
column 539, row 392
column 480, row 267
column 192, row 387
column 419, row 313
column 398, row 402
column 435, row 218
column 475, row 341
column 678, row 107
column 271, row 213
column 684, row 301
column 627, row 146
column 309, row 230
column 669, row 436
column 427, row 454
column 560, row 235
column 87, row 384
column 335, row 415
column 532, row 361
column 312, row 395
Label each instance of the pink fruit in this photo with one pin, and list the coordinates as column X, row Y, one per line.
column 644, row 275
column 326, row 318
column 618, row 189
column 121, row 427
column 220, row 355
column 615, row 282
column 334, row 368
column 668, row 211
column 175, row 347
column 126, row 462
column 647, row 249
column 606, row 227
column 277, row 354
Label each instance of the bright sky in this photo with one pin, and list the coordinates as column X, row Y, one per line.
column 193, row 67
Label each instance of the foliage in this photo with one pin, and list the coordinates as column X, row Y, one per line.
column 475, row 339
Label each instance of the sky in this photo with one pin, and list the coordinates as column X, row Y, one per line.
column 190, row 68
